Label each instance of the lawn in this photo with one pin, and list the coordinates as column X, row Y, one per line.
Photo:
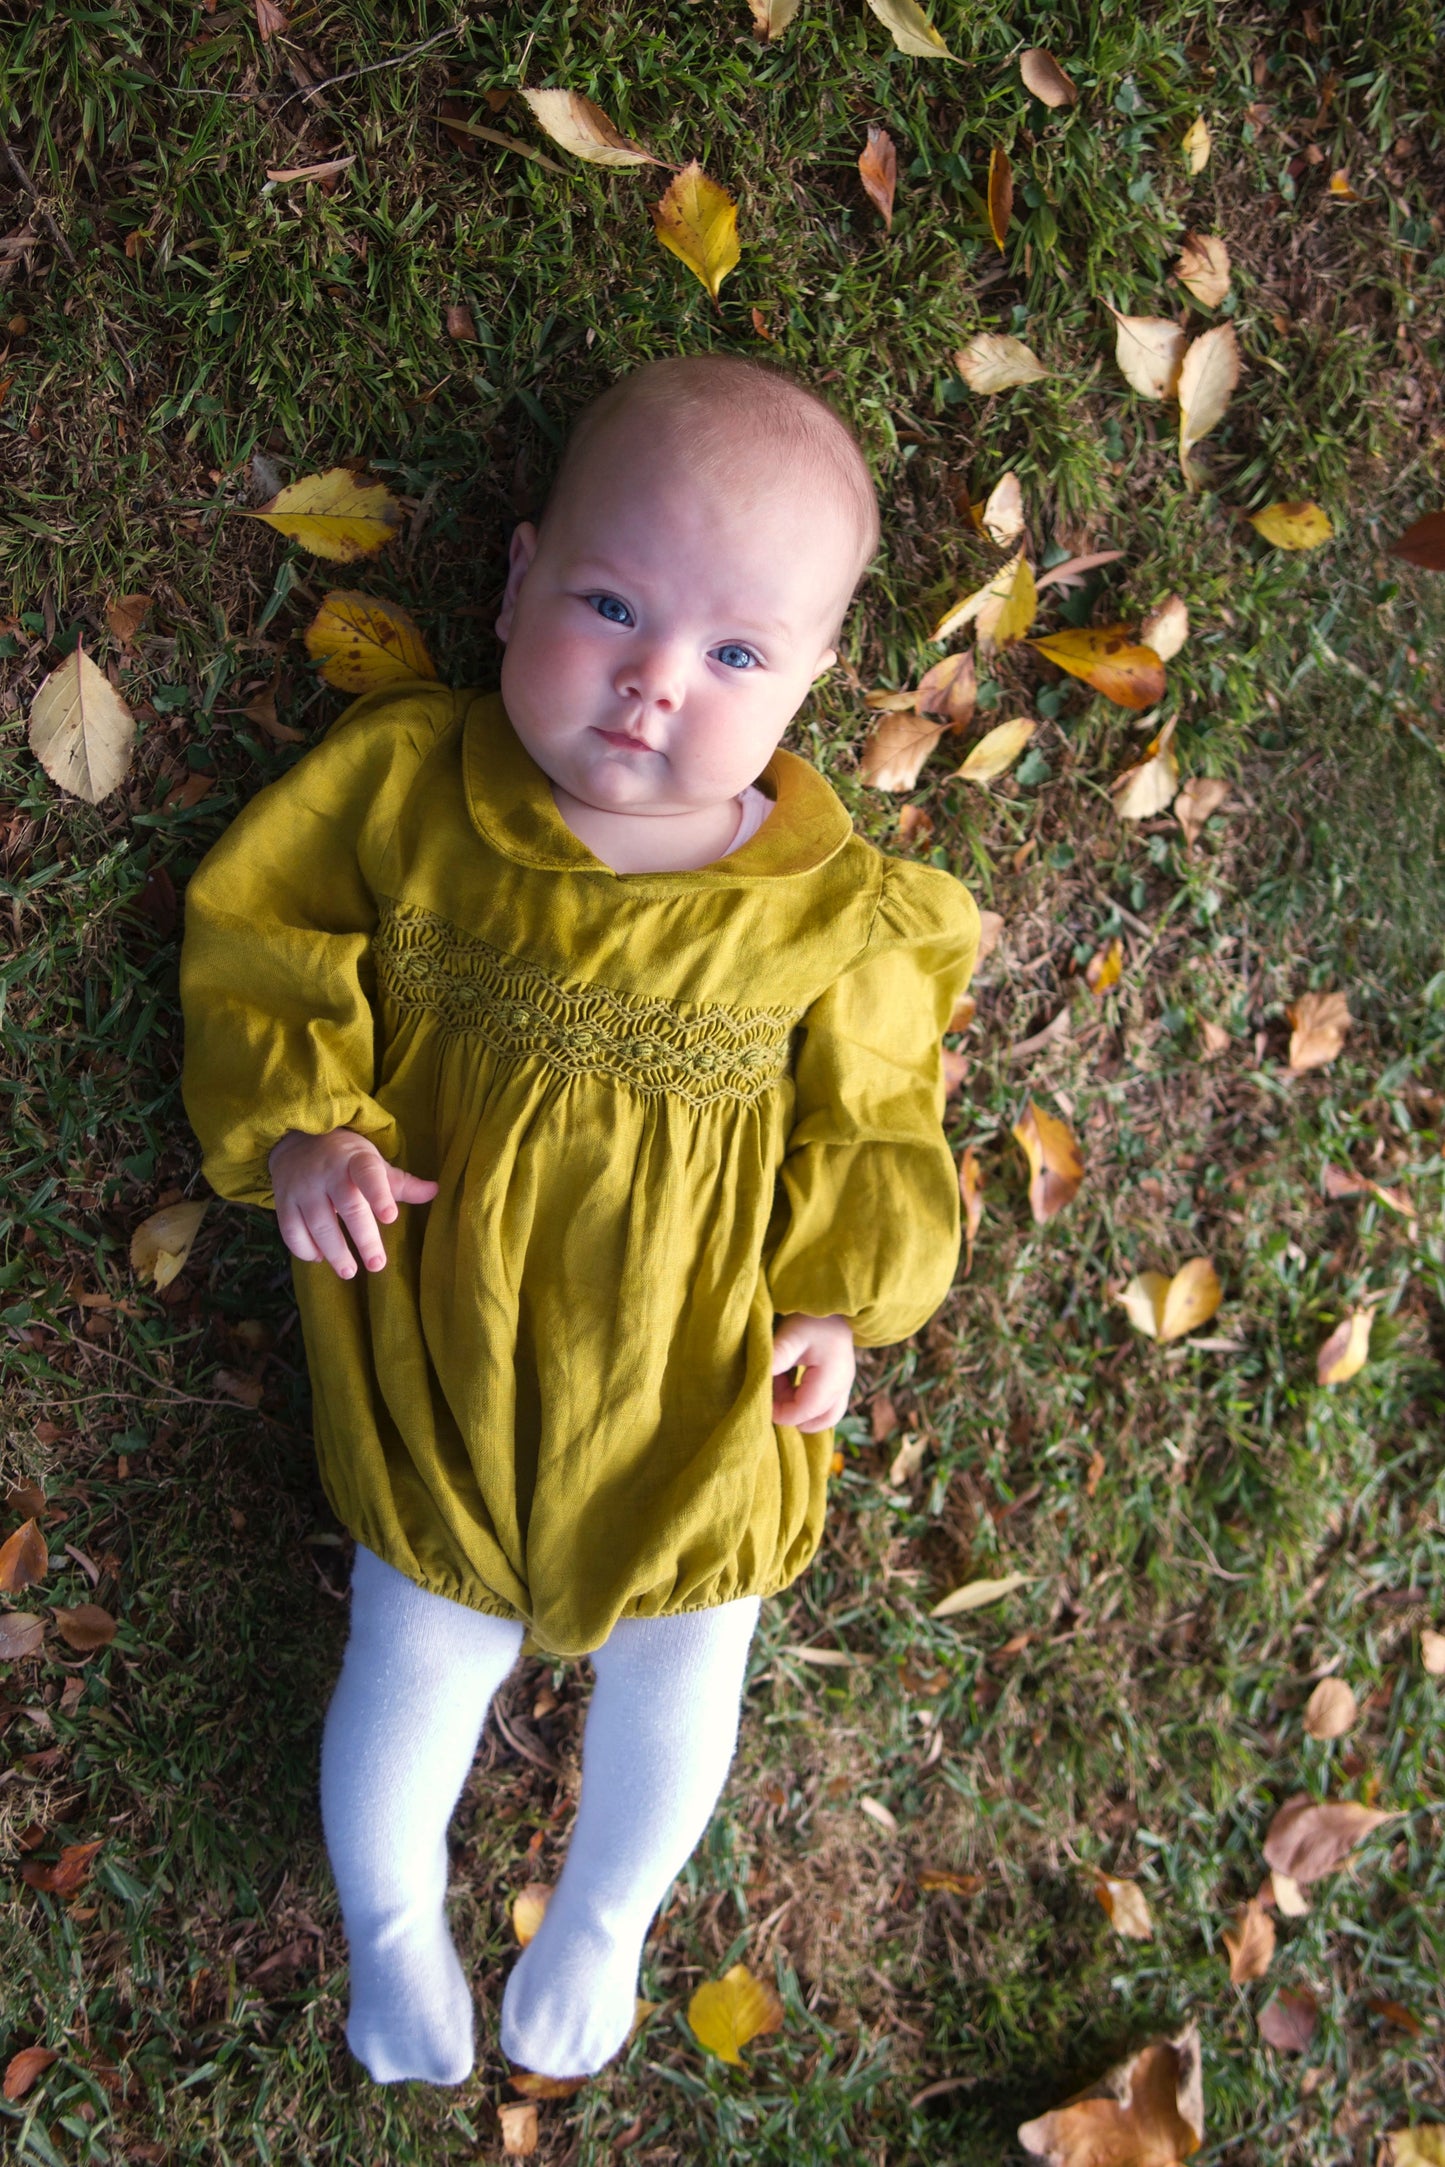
column 1204, row 1531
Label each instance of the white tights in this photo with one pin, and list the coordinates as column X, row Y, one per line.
column 416, row 1682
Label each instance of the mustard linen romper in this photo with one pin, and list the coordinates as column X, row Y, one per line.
column 662, row 1108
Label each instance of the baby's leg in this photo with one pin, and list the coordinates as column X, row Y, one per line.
column 416, row 1681
column 656, row 1750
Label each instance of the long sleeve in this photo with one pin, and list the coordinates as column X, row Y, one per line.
column 866, row 1218
column 276, row 976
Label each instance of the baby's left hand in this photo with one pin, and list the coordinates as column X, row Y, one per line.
column 824, row 1345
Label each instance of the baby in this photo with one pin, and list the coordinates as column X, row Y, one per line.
column 580, row 1015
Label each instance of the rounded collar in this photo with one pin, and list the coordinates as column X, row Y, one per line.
column 511, row 805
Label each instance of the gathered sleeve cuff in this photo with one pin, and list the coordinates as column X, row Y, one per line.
column 277, row 978
column 866, row 1215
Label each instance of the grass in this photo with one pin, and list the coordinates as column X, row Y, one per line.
column 1203, row 1531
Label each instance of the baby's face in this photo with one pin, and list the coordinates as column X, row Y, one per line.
column 662, row 632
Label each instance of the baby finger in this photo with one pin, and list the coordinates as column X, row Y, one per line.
column 292, row 1228
column 361, row 1225
column 327, row 1235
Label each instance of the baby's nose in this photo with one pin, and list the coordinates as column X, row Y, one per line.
column 655, row 673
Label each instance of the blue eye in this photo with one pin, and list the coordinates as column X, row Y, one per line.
column 609, row 607
column 736, row 657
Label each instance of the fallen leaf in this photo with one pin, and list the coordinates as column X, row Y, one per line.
column 1125, row 1906
column 334, row 515
column 1074, row 570
column 533, row 2086
column 161, row 1244
column 324, row 169
column 949, row 690
column 760, row 325
column 23, row 1558
column 87, row 1627
column 996, row 361
column 953, row 1884
column 529, row 1908
column 1395, row 2012
column 23, row 2068
column 1345, row 1353
column 1288, row 2021
column 20, row 1635
column 910, row 29
column 1422, row 2146
column 1203, row 268
column 126, row 614
column 1196, row 145
column 1198, row 800
column 970, row 1190
column 772, row 17
column 726, row 2013
column 459, row 323
column 1003, row 512
column 1150, row 352
column 1164, row 1308
column 1307, row 1840
column 1423, row 543
column 1045, row 78
column 1000, row 193
column 1320, row 1022
column 990, row 932
column 1010, row 605
column 1147, row 2111
column 1289, row 1897
column 908, row 1459
column 1109, row 659
column 1432, row 1651
column 270, row 20
column 70, row 1871
column 1166, row 628
column 1339, row 185
column 878, row 170
column 1150, row 786
column 1293, row 525
column 698, row 221
column 518, row 2118
column 81, row 730
column 584, row 129
column 995, row 752
column 895, row 751
column 1206, row 385
column 1251, row 1943
column 1331, row 1709
column 977, row 1595
column 877, row 1811
column 1056, row 1165
column 361, row 643
column 1105, row 969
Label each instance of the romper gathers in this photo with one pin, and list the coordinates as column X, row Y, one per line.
column 663, row 1108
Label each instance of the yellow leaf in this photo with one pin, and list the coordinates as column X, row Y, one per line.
column 949, row 690
column 910, row 29
column 1331, row 1710
column 1422, row 2146
column 334, row 515
column 1251, row 1944
column 1293, row 525
column 1207, row 379
column 1045, row 78
column 1200, row 797
column 1008, row 611
column 726, row 2013
column 1003, row 513
column 161, row 1244
column 1196, row 145
column 878, row 170
column 698, row 221
column 1320, row 1022
column 1106, row 968
column 977, row 1595
column 1194, row 1296
column 529, row 1908
column 772, row 17
column 996, row 752
column 1126, row 1907
column 1143, row 1302
column 1108, row 659
column 1147, row 2111
column 1204, row 268
column 1056, row 1165
column 1346, row 1351
column 361, row 643
column 1000, row 193
column 1149, row 351
column 896, row 750
column 584, row 129
column 1340, row 186
column 1166, row 628
column 996, row 361
column 81, row 730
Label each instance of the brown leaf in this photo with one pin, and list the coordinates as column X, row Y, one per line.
column 1251, row 1944
column 270, row 21
column 878, row 170
column 519, row 2127
column 1204, row 268
column 70, row 1871
column 532, row 2086
column 954, row 1884
column 460, row 323
column 895, row 751
column 126, row 614
column 584, row 129
column 1320, row 1022
column 1147, row 2111
column 23, row 1558
column 1045, row 78
column 1125, row 1906
column 1307, row 1840
column 1331, row 1709
column 950, row 690
column 1424, row 543
column 1288, row 2021
column 88, row 1627
column 772, row 17
column 23, row 2068
column 1074, row 570
column 970, row 1190
column 1200, row 798
column 1000, row 193
column 20, row 1635
column 1056, row 1166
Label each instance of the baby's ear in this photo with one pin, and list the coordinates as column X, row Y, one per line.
column 825, row 663
column 523, row 550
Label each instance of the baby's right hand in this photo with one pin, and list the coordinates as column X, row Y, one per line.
column 323, row 1183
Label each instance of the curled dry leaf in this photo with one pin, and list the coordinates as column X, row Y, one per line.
column 1203, row 268
column 1045, row 78
column 1166, row 628
column 1346, row 1351
column 1293, row 525
column 1000, row 193
column 584, row 129
column 1109, row 659
column 1432, row 1651
column 81, row 730
column 1056, row 1165
column 879, row 1813
column 1075, row 570
column 953, row 1884
column 878, row 171
column 1105, row 968
column 1290, row 1899
column 518, row 2118
column 977, row 1595
column 1003, row 513
column 1206, row 385
column 161, row 1244
column 24, row 1558
column 1250, row 1943
column 1125, row 1907
column 996, row 752
column 996, row 361
column 1287, row 2022
column 1165, row 1308
column 1147, row 2111
column 908, row 1459
column 23, row 2068
column 772, row 17
column 910, row 29
column 1331, row 1709
column 1199, row 798
column 529, row 1908
column 21, row 1635
column 87, row 1627
column 1196, row 145
column 126, row 614
column 895, row 751
column 70, row 1872
column 1308, row 1839
column 1320, row 1022
column 533, row 2086
column 970, row 1190
column 1150, row 787
column 1150, row 352
column 334, row 514
column 990, row 933
column 726, row 2013
column 949, row 690
column 1423, row 543
column 361, row 643
column 698, row 221
column 459, row 323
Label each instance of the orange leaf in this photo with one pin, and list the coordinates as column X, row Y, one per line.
column 878, row 170
column 1424, row 543
column 1056, row 1166
column 1147, row 2111
column 70, row 1871
column 23, row 1558
column 1108, row 659
column 1045, row 78
column 23, row 2068
column 1000, row 192
column 1251, row 1943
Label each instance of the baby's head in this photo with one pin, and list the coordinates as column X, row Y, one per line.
column 686, row 583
